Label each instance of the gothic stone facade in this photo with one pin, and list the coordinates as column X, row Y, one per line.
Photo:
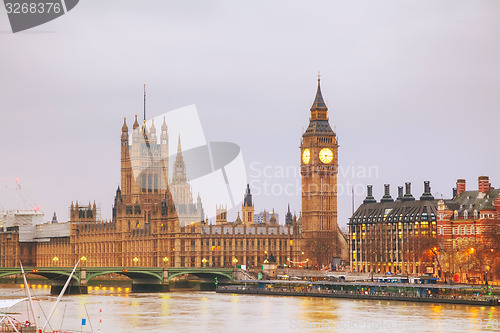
column 323, row 240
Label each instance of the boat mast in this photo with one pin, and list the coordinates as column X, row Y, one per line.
column 29, row 294
column 60, row 296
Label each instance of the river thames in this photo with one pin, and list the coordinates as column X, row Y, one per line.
column 117, row 310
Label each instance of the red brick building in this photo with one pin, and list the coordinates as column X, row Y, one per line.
column 468, row 232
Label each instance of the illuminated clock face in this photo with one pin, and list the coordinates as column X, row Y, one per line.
column 326, row 155
column 306, row 156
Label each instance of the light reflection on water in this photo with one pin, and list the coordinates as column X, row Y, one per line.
column 211, row 312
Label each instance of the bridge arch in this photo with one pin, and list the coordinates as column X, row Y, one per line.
column 52, row 275
column 130, row 274
column 202, row 274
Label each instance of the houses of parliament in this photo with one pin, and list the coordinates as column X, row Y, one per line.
column 157, row 222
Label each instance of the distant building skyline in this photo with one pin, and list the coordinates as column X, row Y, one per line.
column 405, row 85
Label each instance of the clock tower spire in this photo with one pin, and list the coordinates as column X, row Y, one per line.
column 319, row 167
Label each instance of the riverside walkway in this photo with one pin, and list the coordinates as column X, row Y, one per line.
column 430, row 293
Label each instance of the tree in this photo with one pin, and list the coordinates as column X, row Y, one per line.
column 322, row 246
column 425, row 250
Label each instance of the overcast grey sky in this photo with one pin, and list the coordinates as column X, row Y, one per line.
column 412, row 89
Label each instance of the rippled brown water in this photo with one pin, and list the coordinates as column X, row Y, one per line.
column 211, row 312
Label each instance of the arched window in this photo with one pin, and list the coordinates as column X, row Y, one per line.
column 466, row 214
column 143, row 183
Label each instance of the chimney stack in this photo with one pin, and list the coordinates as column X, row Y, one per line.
column 387, row 194
column 400, row 193
column 483, row 184
column 427, row 195
column 460, row 186
column 369, row 196
column 408, row 196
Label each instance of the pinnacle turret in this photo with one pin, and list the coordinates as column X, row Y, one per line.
column 319, row 102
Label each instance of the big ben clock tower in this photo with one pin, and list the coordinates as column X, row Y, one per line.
column 318, row 168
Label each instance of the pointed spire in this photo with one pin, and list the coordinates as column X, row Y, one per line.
column 164, row 125
column 136, row 123
column 125, row 127
column 180, row 168
column 247, row 200
column 144, row 104
column 319, row 102
column 272, row 220
column 179, row 148
column 152, row 131
column 238, row 219
column 288, row 217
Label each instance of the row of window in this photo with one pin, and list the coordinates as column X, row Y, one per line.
column 459, row 230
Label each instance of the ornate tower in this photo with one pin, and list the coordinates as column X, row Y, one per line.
column 179, row 187
column 288, row 217
column 126, row 167
column 319, row 166
column 247, row 208
column 164, row 154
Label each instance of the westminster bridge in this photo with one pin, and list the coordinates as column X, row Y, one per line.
column 144, row 279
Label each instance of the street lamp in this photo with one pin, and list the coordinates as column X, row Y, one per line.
column 135, row 260
column 165, row 261
column 235, row 261
column 55, row 259
column 307, row 263
column 83, row 260
column 204, row 261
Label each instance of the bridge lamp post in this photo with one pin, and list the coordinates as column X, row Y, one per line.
column 135, row 260
column 204, row 261
column 235, row 261
column 165, row 261
column 55, row 260
column 83, row 260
